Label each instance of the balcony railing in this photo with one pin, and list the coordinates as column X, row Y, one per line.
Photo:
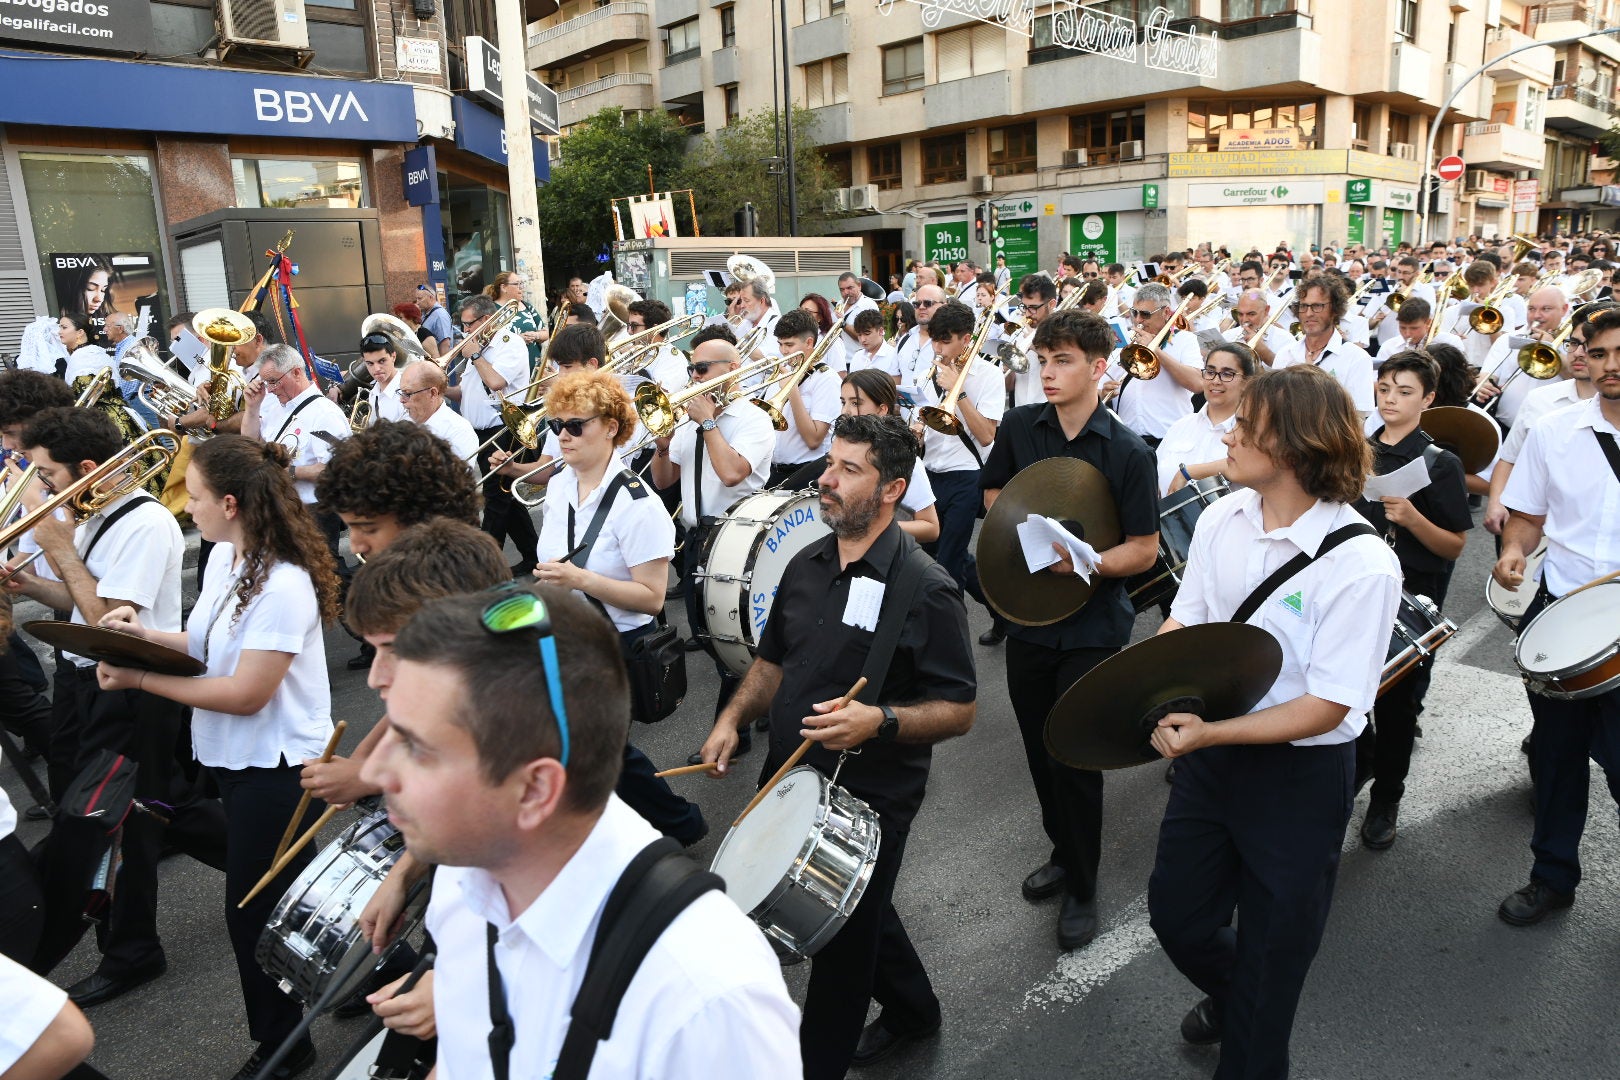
column 1561, row 12
column 623, row 78
column 1582, row 96
column 606, row 11
column 1240, row 23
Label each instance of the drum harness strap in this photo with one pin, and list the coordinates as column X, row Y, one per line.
column 659, row 884
column 1296, row 564
column 1611, row 450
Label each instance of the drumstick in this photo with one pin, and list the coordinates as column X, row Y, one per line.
column 793, row 759
column 303, row 802
column 1595, row 581
column 289, row 855
column 688, row 770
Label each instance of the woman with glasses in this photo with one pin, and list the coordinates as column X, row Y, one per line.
column 263, row 705
column 820, row 309
column 1193, row 449
column 871, row 392
column 507, row 287
column 628, row 540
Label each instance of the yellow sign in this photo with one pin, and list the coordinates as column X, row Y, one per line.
column 1286, row 138
column 1259, row 163
column 1051, row 208
column 1385, row 168
column 1334, row 194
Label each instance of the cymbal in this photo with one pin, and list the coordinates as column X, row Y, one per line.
column 1069, row 490
column 1216, row 670
column 115, row 647
column 1473, row 437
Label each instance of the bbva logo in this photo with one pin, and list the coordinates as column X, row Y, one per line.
column 301, row 107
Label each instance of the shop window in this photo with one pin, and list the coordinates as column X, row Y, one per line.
column 1207, row 119
column 903, row 67
column 1099, row 134
column 1012, row 150
column 970, row 51
column 883, row 166
column 477, row 233
column 333, row 183
column 681, row 42
column 728, row 26
column 944, row 159
column 102, row 206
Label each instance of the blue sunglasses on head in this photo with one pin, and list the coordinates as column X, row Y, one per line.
column 515, row 608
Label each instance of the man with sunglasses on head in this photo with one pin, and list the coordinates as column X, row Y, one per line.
column 380, row 353
column 435, row 318
column 1150, row 406
column 499, row 369
column 420, row 394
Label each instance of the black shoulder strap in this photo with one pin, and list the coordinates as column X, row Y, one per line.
column 1610, row 450
column 962, row 431
column 1298, row 563
column 624, row 479
column 110, row 520
column 654, row 889
column 296, row 410
column 906, row 573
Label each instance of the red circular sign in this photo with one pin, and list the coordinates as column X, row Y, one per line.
column 1450, row 168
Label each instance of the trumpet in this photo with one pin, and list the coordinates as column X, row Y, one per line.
column 810, row 361
column 128, row 470
column 360, row 413
column 661, row 412
column 942, row 417
column 497, row 321
column 1142, row 361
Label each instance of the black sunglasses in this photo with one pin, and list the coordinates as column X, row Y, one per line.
column 376, row 341
column 702, row 368
column 574, row 427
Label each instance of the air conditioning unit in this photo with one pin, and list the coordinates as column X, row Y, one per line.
column 263, row 24
column 833, row 201
column 863, row 197
column 1074, row 159
column 984, row 185
column 1405, row 150
column 1478, row 180
column 1130, row 151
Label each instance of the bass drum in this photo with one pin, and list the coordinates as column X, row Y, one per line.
column 739, row 572
column 1179, row 512
column 1509, row 604
column 314, row 931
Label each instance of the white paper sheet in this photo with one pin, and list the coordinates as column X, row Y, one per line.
column 1403, row 483
column 189, row 350
column 1038, row 533
column 865, row 602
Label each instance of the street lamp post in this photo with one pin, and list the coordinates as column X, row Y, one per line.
column 1434, row 128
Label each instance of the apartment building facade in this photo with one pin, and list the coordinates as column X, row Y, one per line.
column 1308, row 129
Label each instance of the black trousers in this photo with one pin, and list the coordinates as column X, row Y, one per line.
column 22, row 905
column 1071, row 799
column 870, row 958
column 1384, row 750
column 691, row 557
column 648, row 795
column 1566, row 738
column 504, row 516
column 23, row 704
column 957, row 500
column 1253, row 831
column 258, row 805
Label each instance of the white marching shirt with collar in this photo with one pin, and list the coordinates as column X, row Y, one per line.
column 707, row 1003
column 1192, row 440
column 1502, row 364
column 1277, row 339
column 1544, row 400
column 138, row 558
column 1332, row 619
column 747, row 430
column 453, row 428
column 385, row 403
column 509, row 356
column 848, row 348
column 277, row 423
column 29, row 1004
column 1150, row 406
column 1562, row 474
column 988, row 392
column 820, row 393
column 1346, row 362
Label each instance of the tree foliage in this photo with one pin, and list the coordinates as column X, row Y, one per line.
column 1609, row 141
column 730, row 167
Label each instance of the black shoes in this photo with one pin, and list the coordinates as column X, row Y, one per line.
column 1043, row 883
column 362, row 660
column 1378, row 827
column 1533, row 903
column 299, row 1058
column 523, row 571
column 1077, row 923
column 1202, row 1024
column 878, row 1042
column 97, row 989
column 39, row 812
column 693, row 644
column 995, row 635
column 745, row 743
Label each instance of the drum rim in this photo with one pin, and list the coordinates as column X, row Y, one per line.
column 795, row 867
column 1593, row 661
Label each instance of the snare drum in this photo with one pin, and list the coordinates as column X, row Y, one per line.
column 798, row 864
column 741, row 567
column 1510, row 604
column 314, row 931
column 1178, row 515
column 1571, row 649
column 1419, row 630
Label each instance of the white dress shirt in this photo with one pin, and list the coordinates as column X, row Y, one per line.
column 635, row 531
column 1192, row 440
column 284, row 616
column 707, row 1003
column 1346, row 362
column 277, row 423
column 454, row 429
column 919, row 494
column 1277, row 338
column 747, row 430
column 1562, row 474
column 509, row 356
column 1333, row 619
column 1026, row 388
column 988, row 392
column 820, row 393
column 138, row 558
column 1149, row 406
column 29, row 1004
column 1546, row 398
column 668, row 369
column 385, row 403
column 885, row 360
column 848, row 347
column 1502, row 364
column 915, row 356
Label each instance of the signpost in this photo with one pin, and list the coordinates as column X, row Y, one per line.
column 947, row 241
column 1451, row 168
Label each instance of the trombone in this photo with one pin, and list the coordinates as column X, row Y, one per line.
column 661, row 412
column 1265, row 327
column 499, row 320
column 1487, row 318
column 93, row 390
column 942, row 417
column 775, row 405
column 678, row 327
column 1142, row 361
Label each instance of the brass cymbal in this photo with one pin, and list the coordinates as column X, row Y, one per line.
column 1216, row 670
column 1473, row 437
column 1069, row 490
column 115, row 647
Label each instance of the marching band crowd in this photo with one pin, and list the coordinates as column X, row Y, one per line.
column 834, row 455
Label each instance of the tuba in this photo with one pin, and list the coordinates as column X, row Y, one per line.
column 405, row 341
column 160, row 389
column 224, row 330
column 618, row 301
column 745, row 269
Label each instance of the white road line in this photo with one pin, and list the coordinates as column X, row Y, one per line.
column 1473, row 720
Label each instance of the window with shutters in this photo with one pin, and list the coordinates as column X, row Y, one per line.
column 840, row 79
column 728, row 26
column 1100, row 133
column 1012, row 150
column 883, row 166
column 903, row 67
column 944, row 159
column 815, row 9
column 733, row 103
column 969, row 51
column 815, row 85
column 826, row 82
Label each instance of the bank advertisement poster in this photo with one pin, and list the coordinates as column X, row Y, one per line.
column 97, row 284
column 105, row 25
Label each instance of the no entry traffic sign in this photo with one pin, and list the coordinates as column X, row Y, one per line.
column 1450, row 168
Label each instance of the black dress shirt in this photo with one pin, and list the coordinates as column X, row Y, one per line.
column 821, row 656
column 1444, row 501
column 1032, row 433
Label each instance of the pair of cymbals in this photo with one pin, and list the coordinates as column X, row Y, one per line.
column 117, row 647
column 1472, row 436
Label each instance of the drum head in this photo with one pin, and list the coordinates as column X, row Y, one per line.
column 1570, row 632
column 761, row 851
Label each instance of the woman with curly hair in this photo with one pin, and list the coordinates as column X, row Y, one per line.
column 264, row 704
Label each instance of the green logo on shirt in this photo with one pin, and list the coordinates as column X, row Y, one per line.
column 1294, row 602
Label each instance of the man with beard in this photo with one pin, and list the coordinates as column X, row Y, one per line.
column 834, row 612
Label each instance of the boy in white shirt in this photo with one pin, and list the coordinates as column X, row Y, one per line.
column 874, row 352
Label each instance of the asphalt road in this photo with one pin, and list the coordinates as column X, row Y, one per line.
column 1417, row 977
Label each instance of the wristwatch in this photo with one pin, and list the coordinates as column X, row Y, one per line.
column 709, row 424
column 889, row 728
